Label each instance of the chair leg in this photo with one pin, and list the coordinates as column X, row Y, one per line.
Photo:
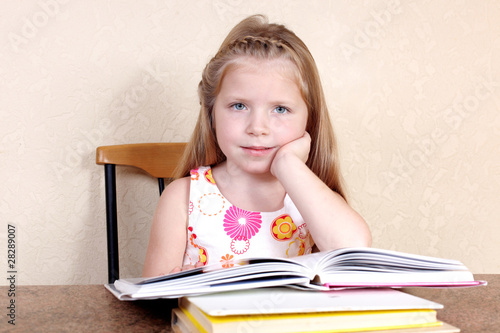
column 111, row 222
column 161, row 184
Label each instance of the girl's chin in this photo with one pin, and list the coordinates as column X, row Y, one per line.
column 261, row 168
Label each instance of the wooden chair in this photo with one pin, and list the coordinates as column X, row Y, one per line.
column 157, row 159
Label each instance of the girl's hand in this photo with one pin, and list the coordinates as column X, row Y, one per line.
column 315, row 200
column 185, row 267
column 298, row 148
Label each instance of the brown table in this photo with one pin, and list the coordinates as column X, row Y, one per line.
column 91, row 308
column 473, row 310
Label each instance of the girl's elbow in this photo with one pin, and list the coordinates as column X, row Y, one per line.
column 358, row 239
column 366, row 238
column 359, row 236
column 364, row 234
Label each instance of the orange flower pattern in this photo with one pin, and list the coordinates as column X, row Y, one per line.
column 227, row 261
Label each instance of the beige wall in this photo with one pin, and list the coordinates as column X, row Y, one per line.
column 413, row 89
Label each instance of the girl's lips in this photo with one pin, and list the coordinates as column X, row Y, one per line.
column 258, row 150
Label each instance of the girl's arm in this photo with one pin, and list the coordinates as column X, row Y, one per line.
column 331, row 221
column 167, row 241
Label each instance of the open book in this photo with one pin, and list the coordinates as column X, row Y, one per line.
column 342, row 268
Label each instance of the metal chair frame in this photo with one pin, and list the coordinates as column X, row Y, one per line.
column 157, row 159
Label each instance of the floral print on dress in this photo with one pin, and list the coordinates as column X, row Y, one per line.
column 240, row 244
column 202, row 252
column 219, row 232
column 283, row 227
column 303, row 232
column 211, row 204
column 192, row 236
column 227, row 261
column 239, row 222
column 190, row 241
column 296, row 248
column 202, row 255
column 208, row 176
column 195, row 175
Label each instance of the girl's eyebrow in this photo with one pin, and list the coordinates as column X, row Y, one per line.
column 235, row 98
column 275, row 103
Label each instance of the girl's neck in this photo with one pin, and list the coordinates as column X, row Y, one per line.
column 252, row 192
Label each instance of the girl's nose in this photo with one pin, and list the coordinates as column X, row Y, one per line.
column 258, row 123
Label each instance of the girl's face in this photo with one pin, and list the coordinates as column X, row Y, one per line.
column 259, row 108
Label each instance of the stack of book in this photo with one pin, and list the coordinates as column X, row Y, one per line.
column 345, row 290
column 280, row 310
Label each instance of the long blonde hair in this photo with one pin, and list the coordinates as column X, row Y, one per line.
column 255, row 37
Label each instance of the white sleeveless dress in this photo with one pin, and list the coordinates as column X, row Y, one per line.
column 219, row 232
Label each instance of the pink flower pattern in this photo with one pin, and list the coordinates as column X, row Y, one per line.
column 241, row 223
column 194, row 174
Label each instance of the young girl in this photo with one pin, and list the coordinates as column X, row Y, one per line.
column 260, row 176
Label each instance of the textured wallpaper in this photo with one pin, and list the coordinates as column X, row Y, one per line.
column 413, row 89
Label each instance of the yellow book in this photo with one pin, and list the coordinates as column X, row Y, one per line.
column 184, row 322
column 443, row 328
column 286, row 300
column 280, row 310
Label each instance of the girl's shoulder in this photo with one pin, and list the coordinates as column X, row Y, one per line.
column 176, row 192
column 180, row 188
column 178, row 185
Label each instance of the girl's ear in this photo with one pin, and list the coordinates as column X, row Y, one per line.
column 211, row 119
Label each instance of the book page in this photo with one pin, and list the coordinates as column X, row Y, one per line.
column 285, row 300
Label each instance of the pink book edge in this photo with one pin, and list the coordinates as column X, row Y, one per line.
column 409, row 284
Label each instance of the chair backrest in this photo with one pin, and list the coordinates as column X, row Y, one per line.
column 157, row 159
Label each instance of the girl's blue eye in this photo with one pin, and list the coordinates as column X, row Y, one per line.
column 239, row 106
column 281, row 109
